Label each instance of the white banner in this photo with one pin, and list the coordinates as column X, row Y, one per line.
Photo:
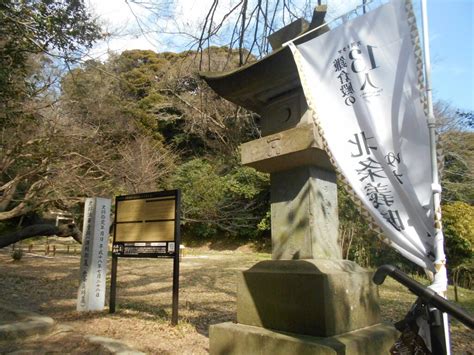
column 93, row 270
column 362, row 81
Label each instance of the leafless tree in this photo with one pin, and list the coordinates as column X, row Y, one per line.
column 241, row 25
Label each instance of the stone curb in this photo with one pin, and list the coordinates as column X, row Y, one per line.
column 112, row 345
column 28, row 324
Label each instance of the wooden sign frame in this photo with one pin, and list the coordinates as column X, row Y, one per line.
column 147, row 225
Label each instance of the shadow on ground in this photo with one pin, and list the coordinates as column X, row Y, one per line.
column 144, row 297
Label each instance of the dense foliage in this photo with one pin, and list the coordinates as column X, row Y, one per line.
column 159, row 99
column 219, row 200
column 458, row 218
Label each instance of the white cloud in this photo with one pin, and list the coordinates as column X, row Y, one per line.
column 119, row 20
column 111, row 10
column 193, row 12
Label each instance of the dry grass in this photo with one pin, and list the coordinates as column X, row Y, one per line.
column 207, row 296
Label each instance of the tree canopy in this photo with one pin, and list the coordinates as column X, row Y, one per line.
column 35, row 37
column 58, row 28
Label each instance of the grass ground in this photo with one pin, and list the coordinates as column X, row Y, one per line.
column 48, row 285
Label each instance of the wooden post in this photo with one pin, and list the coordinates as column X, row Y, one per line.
column 455, row 281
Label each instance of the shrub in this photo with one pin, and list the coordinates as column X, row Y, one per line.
column 218, row 198
column 17, row 254
column 458, row 224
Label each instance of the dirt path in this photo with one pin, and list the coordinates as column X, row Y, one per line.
column 207, row 295
column 48, row 285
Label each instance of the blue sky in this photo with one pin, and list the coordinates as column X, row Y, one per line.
column 451, row 29
column 451, row 26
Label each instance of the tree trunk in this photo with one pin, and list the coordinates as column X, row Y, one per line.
column 38, row 230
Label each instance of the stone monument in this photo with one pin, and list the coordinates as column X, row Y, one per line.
column 306, row 300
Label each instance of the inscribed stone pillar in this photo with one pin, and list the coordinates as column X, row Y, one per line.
column 304, row 214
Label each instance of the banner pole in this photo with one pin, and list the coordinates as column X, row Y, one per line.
column 440, row 283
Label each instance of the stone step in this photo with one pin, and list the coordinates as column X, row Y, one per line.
column 113, row 346
column 22, row 324
column 28, row 333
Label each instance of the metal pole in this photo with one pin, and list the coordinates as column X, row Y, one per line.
column 113, row 284
column 439, row 249
column 440, row 278
column 174, row 314
column 177, row 233
column 113, row 276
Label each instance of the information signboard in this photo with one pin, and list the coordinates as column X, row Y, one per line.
column 147, row 225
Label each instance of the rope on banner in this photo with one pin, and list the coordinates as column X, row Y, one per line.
column 373, row 225
column 411, row 20
column 352, row 195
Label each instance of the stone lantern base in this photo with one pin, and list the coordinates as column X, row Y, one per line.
column 304, row 307
column 238, row 339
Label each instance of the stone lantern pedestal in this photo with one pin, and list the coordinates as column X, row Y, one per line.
column 306, row 300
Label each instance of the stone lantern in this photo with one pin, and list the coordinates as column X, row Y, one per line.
column 306, row 299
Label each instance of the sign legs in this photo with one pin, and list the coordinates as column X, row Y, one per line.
column 174, row 314
column 113, row 284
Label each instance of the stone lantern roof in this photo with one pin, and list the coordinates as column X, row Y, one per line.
column 255, row 85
